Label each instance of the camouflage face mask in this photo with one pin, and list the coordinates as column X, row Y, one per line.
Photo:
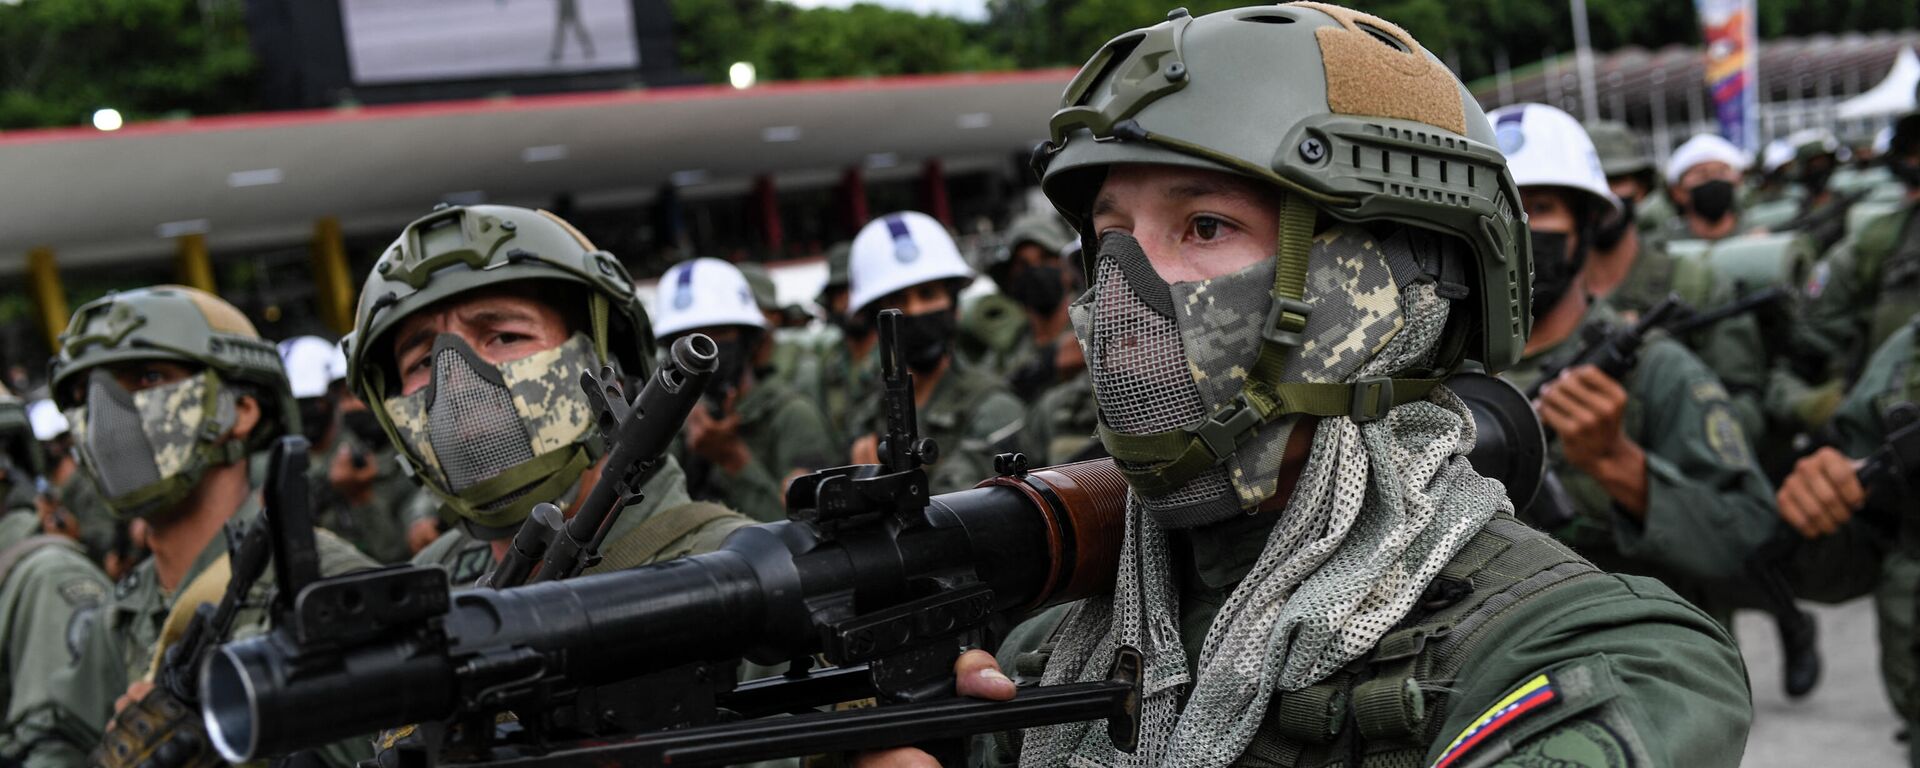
column 493, row 440
column 1165, row 356
column 146, row 450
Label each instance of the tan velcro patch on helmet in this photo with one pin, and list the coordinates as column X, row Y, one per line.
column 584, row 242
column 221, row 316
column 1368, row 77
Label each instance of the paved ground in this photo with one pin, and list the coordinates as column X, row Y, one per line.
column 1846, row 721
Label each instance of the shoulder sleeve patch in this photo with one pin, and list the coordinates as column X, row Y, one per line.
column 1583, row 742
column 1534, row 696
column 1725, row 437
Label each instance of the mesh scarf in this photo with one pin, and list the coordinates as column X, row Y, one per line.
column 1379, row 509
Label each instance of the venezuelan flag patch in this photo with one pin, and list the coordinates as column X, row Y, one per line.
column 1532, row 697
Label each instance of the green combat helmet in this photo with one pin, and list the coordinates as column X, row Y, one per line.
column 1620, row 150
column 538, row 427
column 146, row 450
column 1366, row 126
column 20, row 459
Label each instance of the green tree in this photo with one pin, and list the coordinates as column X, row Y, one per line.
column 62, row 59
column 786, row 42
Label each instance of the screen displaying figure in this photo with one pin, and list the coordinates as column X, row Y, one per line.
column 399, row 41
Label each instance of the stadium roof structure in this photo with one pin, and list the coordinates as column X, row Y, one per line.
column 1631, row 80
column 264, row 178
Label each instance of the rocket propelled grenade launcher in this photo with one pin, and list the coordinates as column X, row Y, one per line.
column 883, row 582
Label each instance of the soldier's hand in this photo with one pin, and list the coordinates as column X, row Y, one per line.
column 134, row 694
column 354, row 483
column 55, row 519
column 420, row 533
column 865, row 450
column 1821, row 494
column 976, row 675
column 1587, row 409
column 718, row 440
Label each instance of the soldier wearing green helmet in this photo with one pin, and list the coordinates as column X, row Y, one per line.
column 472, row 332
column 168, row 390
column 49, row 597
column 1869, row 284
column 842, row 369
column 1296, row 225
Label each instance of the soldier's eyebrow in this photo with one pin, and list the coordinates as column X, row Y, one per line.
column 1103, row 205
column 1194, row 190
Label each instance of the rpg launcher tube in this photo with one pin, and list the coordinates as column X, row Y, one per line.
column 773, row 592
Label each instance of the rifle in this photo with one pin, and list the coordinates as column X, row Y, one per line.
column 636, row 435
column 884, row 583
column 162, row 726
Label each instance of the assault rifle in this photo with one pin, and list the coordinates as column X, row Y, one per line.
column 883, row 583
column 163, row 727
column 637, row 434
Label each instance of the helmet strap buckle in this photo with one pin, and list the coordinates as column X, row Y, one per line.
column 1372, row 398
column 1228, row 427
column 1286, row 319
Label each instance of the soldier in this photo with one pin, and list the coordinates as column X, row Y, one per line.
column 907, row 261
column 70, row 502
column 1703, row 182
column 1631, row 174
column 355, row 494
column 1029, row 270
column 1311, row 570
column 1822, row 212
column 1869, row 284
column 49, row 596
column 751, row 435
column 471, row 335
column 844, row 370
column 1658, row 471
column 1846, row 554
column 780, row 359
column 168, row 390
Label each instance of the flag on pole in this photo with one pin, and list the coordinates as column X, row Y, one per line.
column 1733, row 53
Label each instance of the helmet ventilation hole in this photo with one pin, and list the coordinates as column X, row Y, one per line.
column 1268, row 18
column 1381, row 35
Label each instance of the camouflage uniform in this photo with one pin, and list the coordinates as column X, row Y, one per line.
column 377, row 528
column 972, row 418
column 1860, row 558
column 121, row 649
column 1866, row 288
column 1708, row 506
column 49, row 598
column 679, row 527
column 783, row 431
column 839, row 385
column 994, row 335
column 1069, row 418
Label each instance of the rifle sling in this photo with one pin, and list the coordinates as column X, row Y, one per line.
column 653, row 535
column 208, row 587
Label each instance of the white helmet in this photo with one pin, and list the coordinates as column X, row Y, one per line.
column 312, row 364
column 901, row 250
column 47, row 420
column 1883, row 141
column 1546, row 147
column 703, row 293
column 1704, row 148
column 1777, row 153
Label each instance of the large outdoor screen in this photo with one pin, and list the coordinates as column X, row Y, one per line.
column 399, row 41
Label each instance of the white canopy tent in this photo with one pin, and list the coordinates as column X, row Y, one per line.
column 1893, row 95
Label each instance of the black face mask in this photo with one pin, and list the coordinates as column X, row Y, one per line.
column 1815, row 179
column 1610, row 232
column 316, row 414
column 1039, row 289
column 1553, row 269
column 1713, row 200
column 726, row 376
column 362, row 425
column 925, row 339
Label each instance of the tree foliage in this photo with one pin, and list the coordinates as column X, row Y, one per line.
column 786, row 42
column 62, row 59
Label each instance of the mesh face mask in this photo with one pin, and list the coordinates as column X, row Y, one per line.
column 1382, row 503
column 146, row 450
column 1165, row 356
column 493, row 440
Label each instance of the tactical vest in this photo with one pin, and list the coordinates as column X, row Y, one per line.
column 1888, row 251
column 1386, row 710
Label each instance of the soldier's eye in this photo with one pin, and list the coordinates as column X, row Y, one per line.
column 1207, row 227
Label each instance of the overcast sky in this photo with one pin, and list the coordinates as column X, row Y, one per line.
column 975, row 10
